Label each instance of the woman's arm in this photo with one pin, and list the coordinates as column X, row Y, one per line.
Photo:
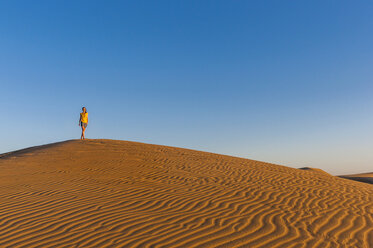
column 80, row 119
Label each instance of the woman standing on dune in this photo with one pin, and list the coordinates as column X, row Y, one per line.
column 83, row 121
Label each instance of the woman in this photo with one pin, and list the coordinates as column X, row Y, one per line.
column 83, row 121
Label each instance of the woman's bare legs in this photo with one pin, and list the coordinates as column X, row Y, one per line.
column 83, row 130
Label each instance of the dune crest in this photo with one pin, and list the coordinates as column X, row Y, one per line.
column 315, row 170
column 105, row 193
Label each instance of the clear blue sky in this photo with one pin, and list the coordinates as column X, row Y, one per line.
column 288, row 82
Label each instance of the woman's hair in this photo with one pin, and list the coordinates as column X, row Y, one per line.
column 85, row 109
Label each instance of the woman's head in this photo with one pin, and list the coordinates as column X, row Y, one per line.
column 84, row 109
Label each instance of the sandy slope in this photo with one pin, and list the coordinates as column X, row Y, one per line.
column 102, row 193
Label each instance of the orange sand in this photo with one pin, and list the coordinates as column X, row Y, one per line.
column 103, row 193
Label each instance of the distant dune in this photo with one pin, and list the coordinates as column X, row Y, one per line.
column 363, row 177
column 105, row 193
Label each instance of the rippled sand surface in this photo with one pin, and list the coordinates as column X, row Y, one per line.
column 104, row 193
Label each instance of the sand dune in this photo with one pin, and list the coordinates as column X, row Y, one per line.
column 362, row 177
column 103, row 193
